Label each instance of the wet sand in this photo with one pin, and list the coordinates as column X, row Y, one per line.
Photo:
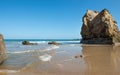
column 94, row 60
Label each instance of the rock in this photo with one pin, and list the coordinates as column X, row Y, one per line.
column 81, row 56
column 3, row 55
column 78, row 56
column 54, row 43
column 99, row 28
column 28, row 43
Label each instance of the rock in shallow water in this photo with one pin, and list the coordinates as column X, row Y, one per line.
column 99, row 28
column 3, row 55
column 28, row 43
column 54, row 43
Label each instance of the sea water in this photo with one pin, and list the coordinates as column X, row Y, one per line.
column 15, row 45
column 22, row 56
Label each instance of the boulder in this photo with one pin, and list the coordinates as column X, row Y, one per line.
column 3, row 55
column 28, row 43
column 99, row 28
column 54, row 43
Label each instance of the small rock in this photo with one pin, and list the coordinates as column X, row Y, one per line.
column 54, row 43
column 28, row 43
column 81, row 56
column 78, row 56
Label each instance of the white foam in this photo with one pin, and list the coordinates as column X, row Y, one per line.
column 45, row 57
column 9, row 71
column 55, row 47
column 37, row 41
column 27, row 51
column 18, row 52
column 51, row 48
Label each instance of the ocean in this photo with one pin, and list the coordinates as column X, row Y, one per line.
column 15, row 45
column 22, row 56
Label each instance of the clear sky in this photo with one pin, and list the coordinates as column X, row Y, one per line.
column 49, row 18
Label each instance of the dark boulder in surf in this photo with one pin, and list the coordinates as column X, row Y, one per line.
column 28, row 43
column 99, row 28
column 3, row 55
column 54, row 43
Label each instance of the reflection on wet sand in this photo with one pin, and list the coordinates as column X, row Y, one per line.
column 102, row 59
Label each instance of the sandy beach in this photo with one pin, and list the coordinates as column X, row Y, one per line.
column 94, row 60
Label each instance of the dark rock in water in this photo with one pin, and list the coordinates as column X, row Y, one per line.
column 3, row 55
column 78, row 56
column 81, row 56
column 99, row 28
column 25, row 42
column 54, row 43
column 28, row 43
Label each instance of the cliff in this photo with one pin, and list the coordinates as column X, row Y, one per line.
column 3, row 55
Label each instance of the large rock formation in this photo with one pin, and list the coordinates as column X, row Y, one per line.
column 2, row 50
column 99, row 28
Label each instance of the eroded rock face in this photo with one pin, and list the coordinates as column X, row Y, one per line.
column 99, row 28
column 3, row 55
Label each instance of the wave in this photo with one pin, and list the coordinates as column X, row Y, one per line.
column 18, row 52
column 52, row 47
column 45, row 57
column 28, row 51
column 38, row 41
column 9, row 71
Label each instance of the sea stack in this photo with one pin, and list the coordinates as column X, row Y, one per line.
column 3, row 55
column 99, row 28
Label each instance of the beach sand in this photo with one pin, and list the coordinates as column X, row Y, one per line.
column 67, row 60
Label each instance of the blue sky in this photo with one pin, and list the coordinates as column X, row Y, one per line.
column 49, row 18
